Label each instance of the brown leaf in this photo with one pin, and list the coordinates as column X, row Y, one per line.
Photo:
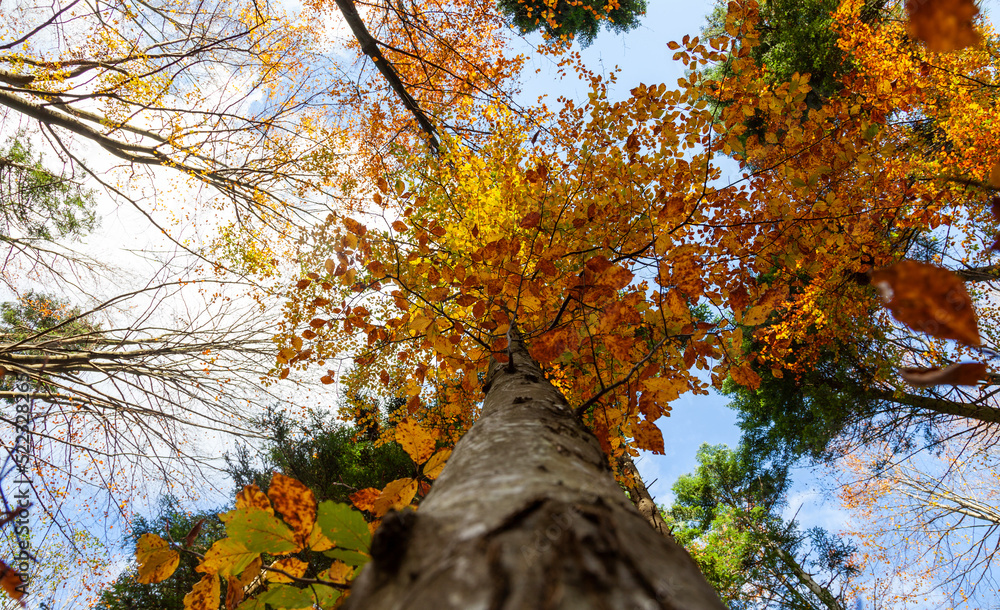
column 943, row 25
column 995, row 176
column 355, row 227
column 962, row 373
column 929, row 299
column 530, row 220
column 11, row 582
column 193, row 534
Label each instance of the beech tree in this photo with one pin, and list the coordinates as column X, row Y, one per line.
column 505, row 261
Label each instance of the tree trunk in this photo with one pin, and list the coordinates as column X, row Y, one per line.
column 526, row 515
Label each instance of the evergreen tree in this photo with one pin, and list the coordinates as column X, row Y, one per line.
column 573, row 20
column 728, row 513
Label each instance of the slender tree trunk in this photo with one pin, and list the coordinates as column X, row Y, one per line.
column 643, row 500
column 527, row 515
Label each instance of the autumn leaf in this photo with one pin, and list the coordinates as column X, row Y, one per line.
column 290, row 565
column 227, row 557
column 929, row 299
column 260, row 531
column 11, row 582
column 339, row 572
column 251, row 496
column 994, row 181
column 397, row 495
column 530, row 220
column 364, row 499
column 417, row 441
column 204, row 595
column 434, row 466
column 943, row 25
column 234, row 593
column 157, row 561
column 963, row 373
column 648, row 437
column 295, row 502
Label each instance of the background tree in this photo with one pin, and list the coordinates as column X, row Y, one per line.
column 728, row 514
column 174, row 523
column 573, row 20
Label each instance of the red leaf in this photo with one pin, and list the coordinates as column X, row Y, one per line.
column 962, row 373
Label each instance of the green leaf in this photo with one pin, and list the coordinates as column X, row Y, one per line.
column 281, row 597
column 344, row 526
column 325, row 596
column 351, row 558
column 260, row 531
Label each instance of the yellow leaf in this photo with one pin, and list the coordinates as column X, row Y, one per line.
column 292, row 565
column 157, row 561
column 397, row 495
column 416, row 440
column 204, row 595
column 339, row 573
column 252, row 496
column 434, row 466
column 756, row 315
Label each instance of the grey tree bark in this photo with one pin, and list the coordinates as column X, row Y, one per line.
column 527, row 514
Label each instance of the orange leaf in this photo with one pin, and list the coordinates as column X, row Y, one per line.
column 11, row 582
column 365, row 498
column 437, row 294
column 963, row 373
column 929, row 299
column 295, row 502
column 416, row 440
column 399, row 225
column 648, row 437
column 943, row 25
column 745, row 376
column 397, row 494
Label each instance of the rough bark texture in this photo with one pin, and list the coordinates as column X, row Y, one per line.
column 527, row 515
